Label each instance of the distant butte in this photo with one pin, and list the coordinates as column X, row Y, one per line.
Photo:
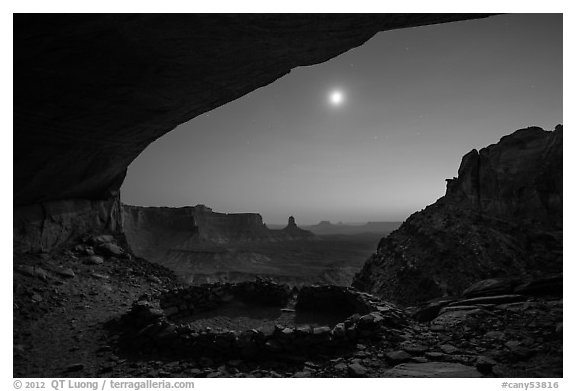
column 293, row 231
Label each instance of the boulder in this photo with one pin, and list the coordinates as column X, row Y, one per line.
column 109, row 249
column 485, row 364
column 100, row 276
column 549, row 286
column 429, row 311
column 489, row 287
column 357, row 370
column 273, row 346
column 433, row 369
column 33, row 271
column 66, row 272
column 559, row 329
column 74, row 367
column 459, row 308
column 502, row 299
column 339, row 331
column 413, row 348
column 101, row 239
column 302, row 374
column 94, row 260
column 452, row 319
column 448, row 349
column 397, row 357
column 341, row 367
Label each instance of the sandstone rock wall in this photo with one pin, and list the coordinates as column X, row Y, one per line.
column 520, row 177
column 44, row 226
column 227, row 227
column 501, row 217
column 151, row 231
column 162, row 234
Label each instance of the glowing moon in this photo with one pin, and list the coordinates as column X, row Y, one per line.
column 336, row 97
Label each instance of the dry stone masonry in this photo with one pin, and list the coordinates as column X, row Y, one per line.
column 155, row 324
column 188, row 301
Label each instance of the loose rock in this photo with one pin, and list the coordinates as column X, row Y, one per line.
column 432, row 369
column 357, row 370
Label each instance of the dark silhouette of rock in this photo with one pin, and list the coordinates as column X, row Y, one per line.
column 502, row 217
column 294, row 232
column 520, row 177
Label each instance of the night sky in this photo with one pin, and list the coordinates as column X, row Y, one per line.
column 408, row 105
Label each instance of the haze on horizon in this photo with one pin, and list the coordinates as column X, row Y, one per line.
column 412, row 102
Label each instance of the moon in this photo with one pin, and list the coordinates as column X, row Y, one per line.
column 336, row 97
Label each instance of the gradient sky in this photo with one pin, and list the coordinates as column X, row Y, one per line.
column 415, row 101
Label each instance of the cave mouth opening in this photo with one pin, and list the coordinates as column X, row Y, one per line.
column 381, row 154
column 415, row 101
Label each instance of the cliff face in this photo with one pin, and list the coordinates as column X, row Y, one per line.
column 520, row 178
column 502, row 216
column 152, row 230
column 184, row 235
column 44, row 226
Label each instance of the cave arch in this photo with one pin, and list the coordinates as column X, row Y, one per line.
column 93, row 91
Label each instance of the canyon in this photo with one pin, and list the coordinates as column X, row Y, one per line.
column 201, row 245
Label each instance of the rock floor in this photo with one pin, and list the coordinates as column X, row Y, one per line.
column 63, row 303
column 239, row 316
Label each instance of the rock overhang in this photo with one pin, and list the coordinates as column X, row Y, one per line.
column 92, row 91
